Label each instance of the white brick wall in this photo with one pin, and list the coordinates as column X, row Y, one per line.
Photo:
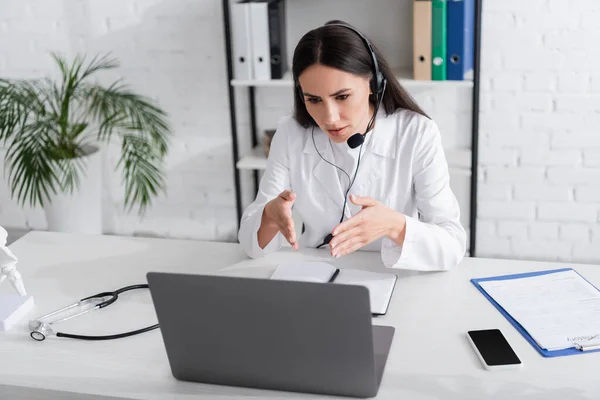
column 540, row 103
column 540, row 147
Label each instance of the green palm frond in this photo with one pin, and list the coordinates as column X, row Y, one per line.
column 46, row 125
column 142, row 177
column 32, row 175
column 119, row 107
column 11, row 110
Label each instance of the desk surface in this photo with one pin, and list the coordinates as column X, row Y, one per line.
column 430, row 357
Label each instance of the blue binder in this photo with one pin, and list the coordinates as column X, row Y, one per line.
column 460, row 39
column 543, row 352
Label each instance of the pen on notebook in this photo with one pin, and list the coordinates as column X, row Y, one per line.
column 335, row 274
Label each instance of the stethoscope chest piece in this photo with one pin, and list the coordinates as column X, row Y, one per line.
column 39, row 330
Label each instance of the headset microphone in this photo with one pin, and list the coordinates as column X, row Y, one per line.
column 355, row 140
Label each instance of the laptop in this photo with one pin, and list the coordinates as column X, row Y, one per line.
column 280, row 335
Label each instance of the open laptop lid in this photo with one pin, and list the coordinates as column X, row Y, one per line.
column 285, row 335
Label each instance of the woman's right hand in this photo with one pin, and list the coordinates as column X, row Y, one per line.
column 278, row 215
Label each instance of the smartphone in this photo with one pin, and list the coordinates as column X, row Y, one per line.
column 493, row 349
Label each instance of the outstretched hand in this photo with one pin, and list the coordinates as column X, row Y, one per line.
column 372, row 222
column 279, row 213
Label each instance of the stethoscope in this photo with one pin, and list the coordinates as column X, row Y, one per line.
column 42, row 327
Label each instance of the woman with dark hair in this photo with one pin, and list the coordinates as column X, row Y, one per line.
column 359, row 161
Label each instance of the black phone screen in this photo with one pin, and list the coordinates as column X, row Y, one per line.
column 493, row 347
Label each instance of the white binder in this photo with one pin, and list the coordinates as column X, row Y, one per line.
column 261, row 51
column 241, row 41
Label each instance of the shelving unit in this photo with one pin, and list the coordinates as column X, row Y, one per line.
column 255, row 160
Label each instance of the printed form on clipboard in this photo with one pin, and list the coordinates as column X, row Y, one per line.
column 380, row 285
column 559, row 310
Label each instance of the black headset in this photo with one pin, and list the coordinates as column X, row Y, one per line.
column 377, row 84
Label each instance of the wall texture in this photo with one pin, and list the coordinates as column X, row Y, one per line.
column 539, row 191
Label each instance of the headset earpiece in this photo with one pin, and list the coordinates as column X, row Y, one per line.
column 378, row 83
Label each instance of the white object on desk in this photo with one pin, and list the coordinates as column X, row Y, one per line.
column 380, row 285
column 559, row 310
column 13, row 308
column 8, row 265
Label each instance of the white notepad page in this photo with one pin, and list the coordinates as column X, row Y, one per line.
column 380, row 285
column 304, row 271
column 558, row 309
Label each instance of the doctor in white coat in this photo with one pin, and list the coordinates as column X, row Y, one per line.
column 359, row 161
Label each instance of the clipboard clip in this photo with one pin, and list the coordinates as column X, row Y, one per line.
column 588, row 346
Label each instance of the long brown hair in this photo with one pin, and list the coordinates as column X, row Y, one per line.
column 339, row 47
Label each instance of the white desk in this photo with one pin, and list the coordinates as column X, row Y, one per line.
column 429, row 359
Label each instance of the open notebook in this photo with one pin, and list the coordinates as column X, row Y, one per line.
column 380, row 285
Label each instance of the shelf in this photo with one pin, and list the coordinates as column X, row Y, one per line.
column 403, row 75
column 256, row 160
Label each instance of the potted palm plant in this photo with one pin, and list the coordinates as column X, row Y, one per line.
column 52, row 131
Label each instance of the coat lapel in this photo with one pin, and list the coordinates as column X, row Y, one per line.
column 379, row 148
column 323, row 172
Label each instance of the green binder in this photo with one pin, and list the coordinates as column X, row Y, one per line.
column 438, row 40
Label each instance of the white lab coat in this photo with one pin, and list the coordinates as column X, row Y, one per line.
column 402, row 165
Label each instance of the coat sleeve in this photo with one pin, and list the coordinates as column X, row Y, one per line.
column 436, row 241
column 275, row 180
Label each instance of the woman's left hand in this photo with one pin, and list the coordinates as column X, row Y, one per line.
column 374, row 221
